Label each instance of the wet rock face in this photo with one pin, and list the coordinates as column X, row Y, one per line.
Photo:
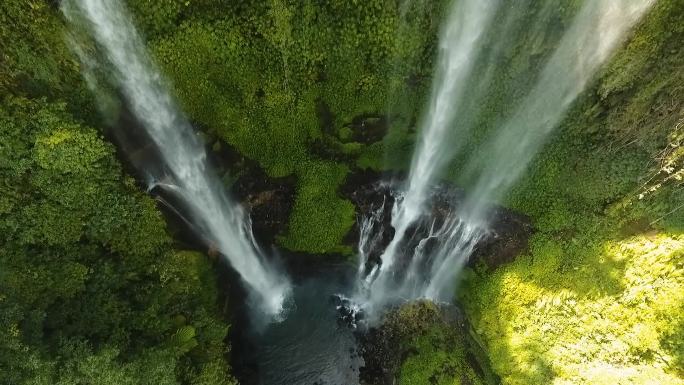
column 508, row 236
column 269, row 202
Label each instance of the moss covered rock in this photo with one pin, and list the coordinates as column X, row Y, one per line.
column 424, row 343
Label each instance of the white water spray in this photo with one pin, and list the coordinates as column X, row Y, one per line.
column 223, row 222
column 595, row 32
column 466, row 25
column 458, row 46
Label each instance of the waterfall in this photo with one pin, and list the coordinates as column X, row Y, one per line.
column 594, row 34
column 431, row 272
column 187, row 175
column 459, row 41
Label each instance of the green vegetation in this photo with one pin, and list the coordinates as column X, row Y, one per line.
column 598, row 298
column 94, row 290
column 607, row 317
column 425, row 343
column 438, row 349
column 91, row 288
column 281, row 81
column 320, row 220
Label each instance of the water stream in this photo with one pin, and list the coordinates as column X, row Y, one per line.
column 594, row 34
column 312, row 346
column 424, row 257
column 461, row 36
column 186, row 174
column 597, row 29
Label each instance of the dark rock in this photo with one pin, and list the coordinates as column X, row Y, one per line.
column 510, row 237
column 369, row 190
column 269, row 201
column 369, row 128
column 365, row 189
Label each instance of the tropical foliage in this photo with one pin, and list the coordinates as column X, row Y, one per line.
column 94, row 290
column 598, row 298
column 91, row 287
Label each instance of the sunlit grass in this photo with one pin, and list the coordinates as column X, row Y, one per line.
column 542, row 326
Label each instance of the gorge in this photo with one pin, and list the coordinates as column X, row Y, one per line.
column 271, row 192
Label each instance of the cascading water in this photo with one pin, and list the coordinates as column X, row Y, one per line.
column 466, row 25
column 188, row 176
column 597, row 29
column 431, row 272
column 594, row 34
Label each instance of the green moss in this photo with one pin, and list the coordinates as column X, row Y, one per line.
column 254, row 75
column 603, row 318
column 393, row 152
column 320, row 219
column 433, row 347
column 437, row 358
